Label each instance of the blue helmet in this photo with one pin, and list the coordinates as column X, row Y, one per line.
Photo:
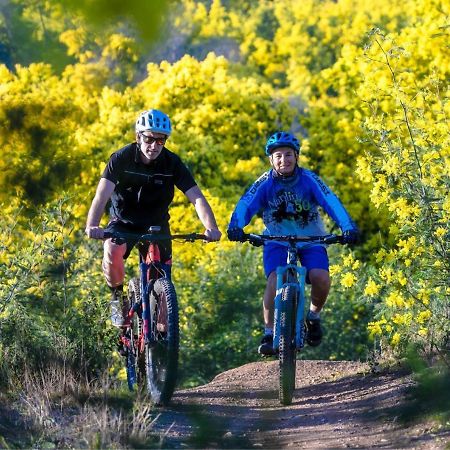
column 153, row 120
column 282, row 139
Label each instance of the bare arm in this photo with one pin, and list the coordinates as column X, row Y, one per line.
column 104, row 191
column 204, row 212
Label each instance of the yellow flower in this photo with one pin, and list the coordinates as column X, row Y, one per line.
column 395, row 339
column 440, row 231
column 363, row 169
column 395, row 300
column 305, row 145
column 403, row 209
column 374, row 328
column 371, row 288
column 407, row 245
column 402, row 279
column 380, row 194
column 430, row 156
column 423, row 332
column 424, row 295
column 122, row 374
column 402, row 319
column 424, row 316
column 334, row 269
column 348, row 280
column 392, row 166
column 348, row 260
column 386, row 274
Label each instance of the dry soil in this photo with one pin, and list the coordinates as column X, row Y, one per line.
column 336, row 405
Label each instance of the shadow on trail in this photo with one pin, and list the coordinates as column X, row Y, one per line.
column 239, row 418
column 235, row 395
column 201, row 426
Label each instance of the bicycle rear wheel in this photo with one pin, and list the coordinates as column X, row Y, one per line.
column 162, row 351
column 135, row 363
column 287, row 353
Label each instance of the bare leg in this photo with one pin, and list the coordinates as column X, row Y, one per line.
column 268, row 300
column 320, row 287
column 113, row 264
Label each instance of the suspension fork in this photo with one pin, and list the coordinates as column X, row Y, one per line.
column 300, row 313
column 144, row 268
column 152, row 257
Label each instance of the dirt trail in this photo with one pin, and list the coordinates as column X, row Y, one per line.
column 336, row 405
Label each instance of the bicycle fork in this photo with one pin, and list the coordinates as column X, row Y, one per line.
column 299, row 287
column 146, row 288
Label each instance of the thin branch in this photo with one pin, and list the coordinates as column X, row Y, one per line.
column 405, row 112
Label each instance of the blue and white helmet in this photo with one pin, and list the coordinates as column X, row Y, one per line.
column 282, row 139
column 154, row 120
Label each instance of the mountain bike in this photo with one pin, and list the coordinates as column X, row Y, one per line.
column 150, row 336
column 289, row 313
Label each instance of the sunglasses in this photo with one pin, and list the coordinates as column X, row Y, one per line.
column 151, row 139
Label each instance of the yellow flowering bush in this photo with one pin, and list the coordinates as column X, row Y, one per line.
column 365, row 87
column 407, row 165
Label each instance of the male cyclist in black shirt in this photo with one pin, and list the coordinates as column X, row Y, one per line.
column 140, row 180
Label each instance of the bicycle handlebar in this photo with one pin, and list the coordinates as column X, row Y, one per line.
column 153, row 237
column 258, row 239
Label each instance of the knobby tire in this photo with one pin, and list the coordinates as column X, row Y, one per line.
column 287, row 352
column 162, row 353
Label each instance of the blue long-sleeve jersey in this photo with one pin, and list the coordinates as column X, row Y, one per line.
column 290, row 205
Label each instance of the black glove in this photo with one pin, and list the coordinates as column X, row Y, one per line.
column 351, row 236
column 236, row 234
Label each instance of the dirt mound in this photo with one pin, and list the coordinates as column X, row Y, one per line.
column 336, row 405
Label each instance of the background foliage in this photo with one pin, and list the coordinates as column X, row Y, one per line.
column 364, row 87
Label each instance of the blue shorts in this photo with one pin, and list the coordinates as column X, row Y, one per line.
column 315, row 257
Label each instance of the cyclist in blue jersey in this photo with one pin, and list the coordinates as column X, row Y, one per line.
column 139, row 180
column 289, row 198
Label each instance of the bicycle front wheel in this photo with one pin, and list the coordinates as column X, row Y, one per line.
column 162, row 350
column 287, row 353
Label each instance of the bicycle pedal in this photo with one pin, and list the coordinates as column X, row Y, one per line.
column 268, row 356
column 267, row 353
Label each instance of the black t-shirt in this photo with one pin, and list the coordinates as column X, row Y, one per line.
column 144, row 192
